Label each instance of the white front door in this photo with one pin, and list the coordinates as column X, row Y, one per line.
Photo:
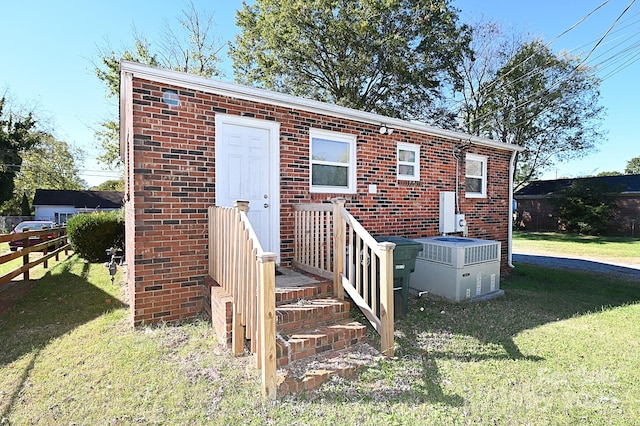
column 247, row 168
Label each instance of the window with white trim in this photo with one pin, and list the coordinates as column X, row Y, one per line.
column 408, row 167
column 476, row 176
column 333, row 162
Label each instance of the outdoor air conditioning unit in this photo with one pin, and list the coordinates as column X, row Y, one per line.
column 458, row 269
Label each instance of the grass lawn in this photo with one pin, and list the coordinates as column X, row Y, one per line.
column 625, row 250
column 560, row 348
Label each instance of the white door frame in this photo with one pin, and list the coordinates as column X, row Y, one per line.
column 274, row 169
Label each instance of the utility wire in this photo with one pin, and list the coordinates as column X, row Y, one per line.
column 540, row 95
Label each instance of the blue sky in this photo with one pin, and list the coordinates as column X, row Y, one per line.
column 48, row 50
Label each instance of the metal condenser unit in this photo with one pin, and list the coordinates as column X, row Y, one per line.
column 457, row 268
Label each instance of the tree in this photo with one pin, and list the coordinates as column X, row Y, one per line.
column 387, row 57
column 517, row 91
column 488, row 52
column 194, row 50
column 613, row 173
column 110, row 185
column 25, row 206
column 633, row 167
column 51, row 164
column 16, row 136
column 586, row 208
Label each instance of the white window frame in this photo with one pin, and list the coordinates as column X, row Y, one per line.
column 351, row 171
column 483, row 178
column 416, row 164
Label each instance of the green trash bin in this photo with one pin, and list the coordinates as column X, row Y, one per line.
column 404, row 263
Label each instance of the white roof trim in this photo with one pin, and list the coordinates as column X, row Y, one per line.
column 233, row 90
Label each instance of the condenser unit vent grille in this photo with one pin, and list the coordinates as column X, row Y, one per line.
column 436, row 253
column 458, row 252
column 481, row 253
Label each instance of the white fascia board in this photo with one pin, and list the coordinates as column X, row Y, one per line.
column 233, row 90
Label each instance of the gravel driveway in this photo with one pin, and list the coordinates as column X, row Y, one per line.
column 631, row 272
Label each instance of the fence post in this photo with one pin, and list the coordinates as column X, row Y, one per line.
column 339, row 247
column 267, row 320
column 386, row 298
column 25, row 262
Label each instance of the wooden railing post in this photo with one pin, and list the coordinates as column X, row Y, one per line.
column 241, row 205
column 386, row 298
column 339, row 247
column 267, row 320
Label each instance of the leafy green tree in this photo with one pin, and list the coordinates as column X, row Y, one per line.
column 586, row 207
column 633, row 167
column 110, row 185
column 25, row 207
column 17, row 135
column 517, row 91
column 389, row 57
column 548, row 104
column 614, row 173
column 51, row 164
column 193, row 49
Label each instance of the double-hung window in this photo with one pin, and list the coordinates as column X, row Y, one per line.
column 476, row 176
column 333, row 162
column 408, row 167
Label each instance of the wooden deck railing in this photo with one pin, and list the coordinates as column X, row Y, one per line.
column 313, row 230
column 49, row 248
column 329, row 241
column 238, row 264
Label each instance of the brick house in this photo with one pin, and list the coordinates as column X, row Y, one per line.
column 535, row 210
column 190, row 142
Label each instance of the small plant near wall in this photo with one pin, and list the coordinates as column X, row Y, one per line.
column 91, row 234
column 586, row 208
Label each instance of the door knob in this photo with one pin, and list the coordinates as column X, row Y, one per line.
column 266, row 205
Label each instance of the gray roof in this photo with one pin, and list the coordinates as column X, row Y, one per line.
column 625, row 184
column 78, row 199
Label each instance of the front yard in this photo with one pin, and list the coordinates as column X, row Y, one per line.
column 559, row 348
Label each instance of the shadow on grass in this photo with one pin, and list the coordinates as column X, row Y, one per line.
column 62, row 300
column 437, row 330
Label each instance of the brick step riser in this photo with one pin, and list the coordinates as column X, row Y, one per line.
column 299, row 326
column 294, row 317
column 291, row 295
column 313, row 342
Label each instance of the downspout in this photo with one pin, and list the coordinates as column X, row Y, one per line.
column 510, row 228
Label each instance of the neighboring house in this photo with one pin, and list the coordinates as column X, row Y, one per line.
column 189, row 143
column 58, row 205
column 535, row 211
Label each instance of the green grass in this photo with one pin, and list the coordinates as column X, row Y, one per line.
column 559, row 348
column 613, row 249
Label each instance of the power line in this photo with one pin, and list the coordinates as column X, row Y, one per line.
column 541, row 94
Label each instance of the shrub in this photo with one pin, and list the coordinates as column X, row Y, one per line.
column 586, row 208
column 91, row 234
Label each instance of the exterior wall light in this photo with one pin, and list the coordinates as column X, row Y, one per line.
column 384, row 130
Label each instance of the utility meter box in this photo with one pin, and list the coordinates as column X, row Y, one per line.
column 450, row 221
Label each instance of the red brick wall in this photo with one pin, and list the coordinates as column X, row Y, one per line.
column 172, row 174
